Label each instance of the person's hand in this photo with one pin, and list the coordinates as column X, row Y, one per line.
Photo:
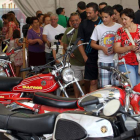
column 72, row 55
column 40, row 41
column 85, row 58
column 138, row 50
column 134, row 48
column 48, row 44
column 105, row 50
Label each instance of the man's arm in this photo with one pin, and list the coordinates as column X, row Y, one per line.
column 98, row 47
column 82, row 51
column 46, row 40
column 65, row 46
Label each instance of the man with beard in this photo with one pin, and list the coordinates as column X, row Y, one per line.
column 89, row 54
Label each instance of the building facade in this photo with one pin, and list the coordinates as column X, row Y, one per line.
column 9, row 4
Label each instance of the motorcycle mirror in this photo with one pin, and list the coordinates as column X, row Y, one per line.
column 71, row 31
column 112, row 107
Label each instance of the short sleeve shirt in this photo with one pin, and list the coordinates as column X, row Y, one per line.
column 105, row 35
column 85, row 31
column 33, row 35
column 78, row 59
column 59, row 53
column 51, row 32
column 14, row 27
column 122, row 37
column 4, row 30
column 62, row 20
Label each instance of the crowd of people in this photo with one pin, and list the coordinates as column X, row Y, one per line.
column 102, row 26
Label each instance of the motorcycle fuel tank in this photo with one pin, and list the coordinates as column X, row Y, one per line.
column 107, row 92
column 38, row 83
column 81, row 126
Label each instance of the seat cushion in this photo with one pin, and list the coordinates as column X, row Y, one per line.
column 54, row 101
column 27, row 123
column 7, row 83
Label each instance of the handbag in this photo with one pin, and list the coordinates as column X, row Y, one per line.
column 133, row 43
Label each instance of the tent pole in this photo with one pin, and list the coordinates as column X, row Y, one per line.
column 55, row 4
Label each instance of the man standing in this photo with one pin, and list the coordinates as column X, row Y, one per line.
column 105, row 34
column 102, row 5
column 40, row 19
column 137, row 15
column 38, row 12
column 81, row 7
column 76, row 60
column 89, row 54
column 62, row 19
column 49, row 33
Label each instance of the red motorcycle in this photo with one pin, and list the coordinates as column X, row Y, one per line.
column 6, row 69
column 13, row 88
column 43, row 103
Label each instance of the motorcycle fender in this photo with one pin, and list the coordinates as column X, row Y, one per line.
column 95, row 127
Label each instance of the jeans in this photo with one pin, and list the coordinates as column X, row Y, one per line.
column 134, row 76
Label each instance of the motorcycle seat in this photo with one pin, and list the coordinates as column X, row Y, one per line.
column 54, row 101
column 27, row 123
column 7, row 83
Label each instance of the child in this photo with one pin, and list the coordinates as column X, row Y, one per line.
column 57, row 49
column 17, row 57
column 105, row 34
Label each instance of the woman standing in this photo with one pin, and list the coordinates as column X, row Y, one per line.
column 12, row 25
column 36, row 49
column 46, row 19
column 117, row 10
column 124, row 47
column 4, row 29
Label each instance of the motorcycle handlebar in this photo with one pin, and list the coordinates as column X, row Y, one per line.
column 4, row 57
column 106, row 68
column 35, row 68
column 90, row 102
column 75, row 46
column 6, row 41
column 25, row 69
column 18, row 48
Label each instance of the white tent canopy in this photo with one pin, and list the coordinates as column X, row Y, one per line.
column 29, row 7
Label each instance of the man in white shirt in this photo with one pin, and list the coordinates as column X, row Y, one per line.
column 49, row 33
column 105, row 34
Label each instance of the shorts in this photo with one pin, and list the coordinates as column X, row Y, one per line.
column 91, row 69
column 105, row 77
column 78, row 72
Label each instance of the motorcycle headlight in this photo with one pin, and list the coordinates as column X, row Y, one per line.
column 67, row 75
